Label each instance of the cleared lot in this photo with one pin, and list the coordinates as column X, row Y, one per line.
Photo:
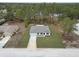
column 17, row 40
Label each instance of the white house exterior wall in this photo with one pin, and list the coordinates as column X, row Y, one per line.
column 40, row 35
column 47, row 34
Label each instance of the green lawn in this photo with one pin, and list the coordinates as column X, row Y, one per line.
column 54, row 41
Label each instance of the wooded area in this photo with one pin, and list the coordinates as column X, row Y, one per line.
column 40, row 12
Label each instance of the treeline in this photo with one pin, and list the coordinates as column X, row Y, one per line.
column 40, row 12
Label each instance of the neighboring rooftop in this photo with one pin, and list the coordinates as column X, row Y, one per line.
column 39, row 29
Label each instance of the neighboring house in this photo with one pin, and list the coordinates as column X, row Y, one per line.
column 76, row 28
column 40, row 30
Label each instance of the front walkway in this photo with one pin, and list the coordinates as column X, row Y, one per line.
column 32, row 42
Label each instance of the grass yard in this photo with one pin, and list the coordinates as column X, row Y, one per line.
column 54, row 41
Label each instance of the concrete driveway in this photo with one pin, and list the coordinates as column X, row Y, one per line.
column 32, row 42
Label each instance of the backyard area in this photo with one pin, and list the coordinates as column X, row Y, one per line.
column 54, row 41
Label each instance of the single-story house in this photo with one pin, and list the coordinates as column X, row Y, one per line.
column 40, row 30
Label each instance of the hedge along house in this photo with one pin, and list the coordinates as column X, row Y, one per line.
column 40, row 30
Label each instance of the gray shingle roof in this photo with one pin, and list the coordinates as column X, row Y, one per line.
column 39, row 29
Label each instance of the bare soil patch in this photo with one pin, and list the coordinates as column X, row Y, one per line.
column 16, row 40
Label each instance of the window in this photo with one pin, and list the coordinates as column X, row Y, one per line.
column 37, row 33
column 47, row 33
column 41, row 33
column 44, row 33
